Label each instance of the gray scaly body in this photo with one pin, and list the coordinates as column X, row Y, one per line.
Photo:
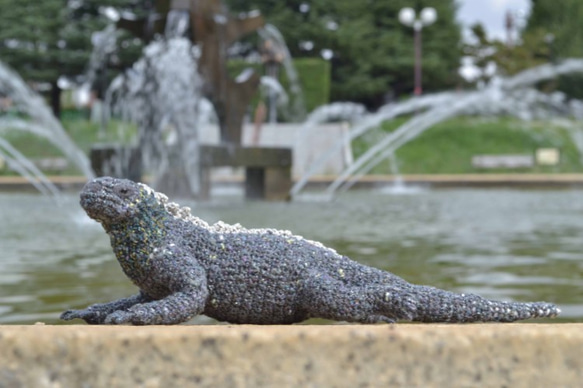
column 185, row 267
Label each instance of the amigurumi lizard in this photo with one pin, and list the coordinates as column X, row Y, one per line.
column 185, row 267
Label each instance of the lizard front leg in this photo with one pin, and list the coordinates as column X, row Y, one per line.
column 97, row 313
column 188, row 293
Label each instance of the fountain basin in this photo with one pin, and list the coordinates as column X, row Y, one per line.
column 401, row 355
column 515, row 245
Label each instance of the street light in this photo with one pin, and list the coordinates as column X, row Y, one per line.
column 426, row 17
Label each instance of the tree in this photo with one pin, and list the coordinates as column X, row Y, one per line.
column 373, row 53
column 532, row 50
column 560, row 22
column 562, row 19
column 44, row 40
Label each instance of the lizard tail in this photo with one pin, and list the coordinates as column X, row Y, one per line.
column 435, row 305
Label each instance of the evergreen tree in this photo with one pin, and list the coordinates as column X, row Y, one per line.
column 44, row 40
column 561, row 21
column 373, row 54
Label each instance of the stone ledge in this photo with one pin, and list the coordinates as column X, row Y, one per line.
column 403, row 355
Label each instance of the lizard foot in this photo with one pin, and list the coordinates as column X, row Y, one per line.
column 119, row 318
column 92, row 317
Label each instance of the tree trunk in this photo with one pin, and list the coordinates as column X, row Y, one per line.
column 56, row 99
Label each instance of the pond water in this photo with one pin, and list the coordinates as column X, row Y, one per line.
column 502, row 244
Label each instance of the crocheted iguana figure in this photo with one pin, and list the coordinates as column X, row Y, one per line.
column 185, row 267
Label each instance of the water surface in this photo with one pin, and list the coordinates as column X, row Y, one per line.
column 503, row 244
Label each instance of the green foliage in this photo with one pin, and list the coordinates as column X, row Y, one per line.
column 29, row 39
column 448, row 148
column 561, row 20
column 373, row 52
column 534, row 50
column 553, row 32
column 314, row 75
column 43, row 40
column 84, row 134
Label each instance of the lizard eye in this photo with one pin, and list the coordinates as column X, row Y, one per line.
column 123, row 191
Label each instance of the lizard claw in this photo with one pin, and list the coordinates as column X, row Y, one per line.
column 69, row 315
column 90, row 316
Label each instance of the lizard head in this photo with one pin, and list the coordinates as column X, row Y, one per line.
column 110, row 200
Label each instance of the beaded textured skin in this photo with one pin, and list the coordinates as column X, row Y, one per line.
column 185, row 267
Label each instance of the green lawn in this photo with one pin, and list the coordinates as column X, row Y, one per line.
column 448, row 147
column 83, row 132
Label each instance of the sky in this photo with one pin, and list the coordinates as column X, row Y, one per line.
column 491, row 13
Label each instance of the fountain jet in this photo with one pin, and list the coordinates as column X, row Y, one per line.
column 39, row 121
column 513, row 96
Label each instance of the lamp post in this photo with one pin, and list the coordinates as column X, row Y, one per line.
column 426, row 17
column 514, row 21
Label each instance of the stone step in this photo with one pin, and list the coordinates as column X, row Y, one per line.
column 401, row 355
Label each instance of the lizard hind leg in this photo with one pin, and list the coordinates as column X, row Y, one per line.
column 328, row 298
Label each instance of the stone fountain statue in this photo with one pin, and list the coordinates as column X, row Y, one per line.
column 214, row 30
column 208, row 25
